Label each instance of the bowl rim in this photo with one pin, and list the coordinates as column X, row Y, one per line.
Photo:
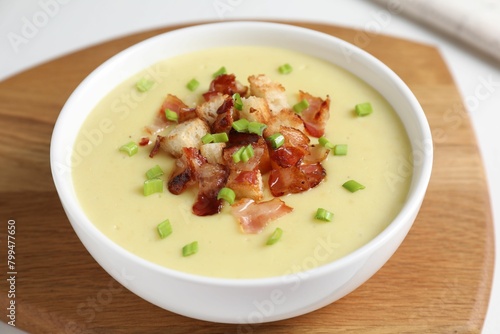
column 412, row 204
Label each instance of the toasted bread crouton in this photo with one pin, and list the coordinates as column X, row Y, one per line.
column 246, row 184
column 213, row 152
column 207, row 111
column 286, row 117
column 273, row 92
column 255, row 109
column 185, row 134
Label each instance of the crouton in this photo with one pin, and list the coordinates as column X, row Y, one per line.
column 255, row 109
column 246, row 184
column 285, row 117
column 186, row 134
column 207, row 111
column 213, row 152
column 273, row 92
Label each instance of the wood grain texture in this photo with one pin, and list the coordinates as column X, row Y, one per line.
column 437, row 282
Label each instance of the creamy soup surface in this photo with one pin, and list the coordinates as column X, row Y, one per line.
column 109, row 183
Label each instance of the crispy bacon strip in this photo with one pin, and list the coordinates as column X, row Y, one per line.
column 224, row 120
column 175, row 104
column 227, row 84
column 291, row 153
column 253, row 217
column 295, row 179
column 185, row 172
column 316, row 115
column 156, row 146
column 211, row 179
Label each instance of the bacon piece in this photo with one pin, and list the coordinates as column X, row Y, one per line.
column 227, row 84
column 175, row 104
column 224, row 120
column 211, row 179
column 253, row 216
column 294, row 149
column 295, row 179
column 317, row 153
column 185, row 172
column 144, row 141
column 316, row 115
column 156, row 146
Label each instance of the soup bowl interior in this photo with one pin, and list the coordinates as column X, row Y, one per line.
column 240, row 300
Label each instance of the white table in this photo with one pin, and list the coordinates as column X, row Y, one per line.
column 63, row 26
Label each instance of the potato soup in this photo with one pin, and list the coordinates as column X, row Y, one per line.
column 109, row 183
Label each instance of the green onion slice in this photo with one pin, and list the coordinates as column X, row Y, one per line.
column 164, row 229
column 171, row 115
column 353, row 186
column 241, row 125
column 247, row 153
column 152, row 186
column 285, row 69
column 190, row 249
column 220, row 137
column 276, row 140
column 275, row 236
column 325, row 143
column 324, row 215
column 220, row 71
column 154, row 172
column 301, row 106
column 192, row 85
column 363, row 109
column 227, row 194
column 130, row 148
column 340, row 149
column 237, row 155
column 208, row 138
column 144, row 85
column 238, row 104
column 256, row 127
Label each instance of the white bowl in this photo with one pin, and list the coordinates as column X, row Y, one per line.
column 240, row 300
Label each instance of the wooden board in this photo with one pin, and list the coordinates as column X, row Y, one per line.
column 437, row 282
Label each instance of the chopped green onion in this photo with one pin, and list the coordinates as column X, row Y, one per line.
column 275, row 236
column 276, row 140
column 190, row 249
column 208, row 138
column 192, row 85
column 164, row 229
column 220, row 137
column 238, row 104
column 227, row 194
column 144, row 85
column 220, row 71
column 340, row 149
column 325, row 143
column 241, row 125
column 256, row 127
column 237, row 155
column 243, row 154
column 325, row 215
column 152, row 186
column 363, row 109
column 301, row 106
column 285, row 69
column 247, row 153
column 353, row 186
column 130, row 148
column 154, row 172
column 171, row 115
